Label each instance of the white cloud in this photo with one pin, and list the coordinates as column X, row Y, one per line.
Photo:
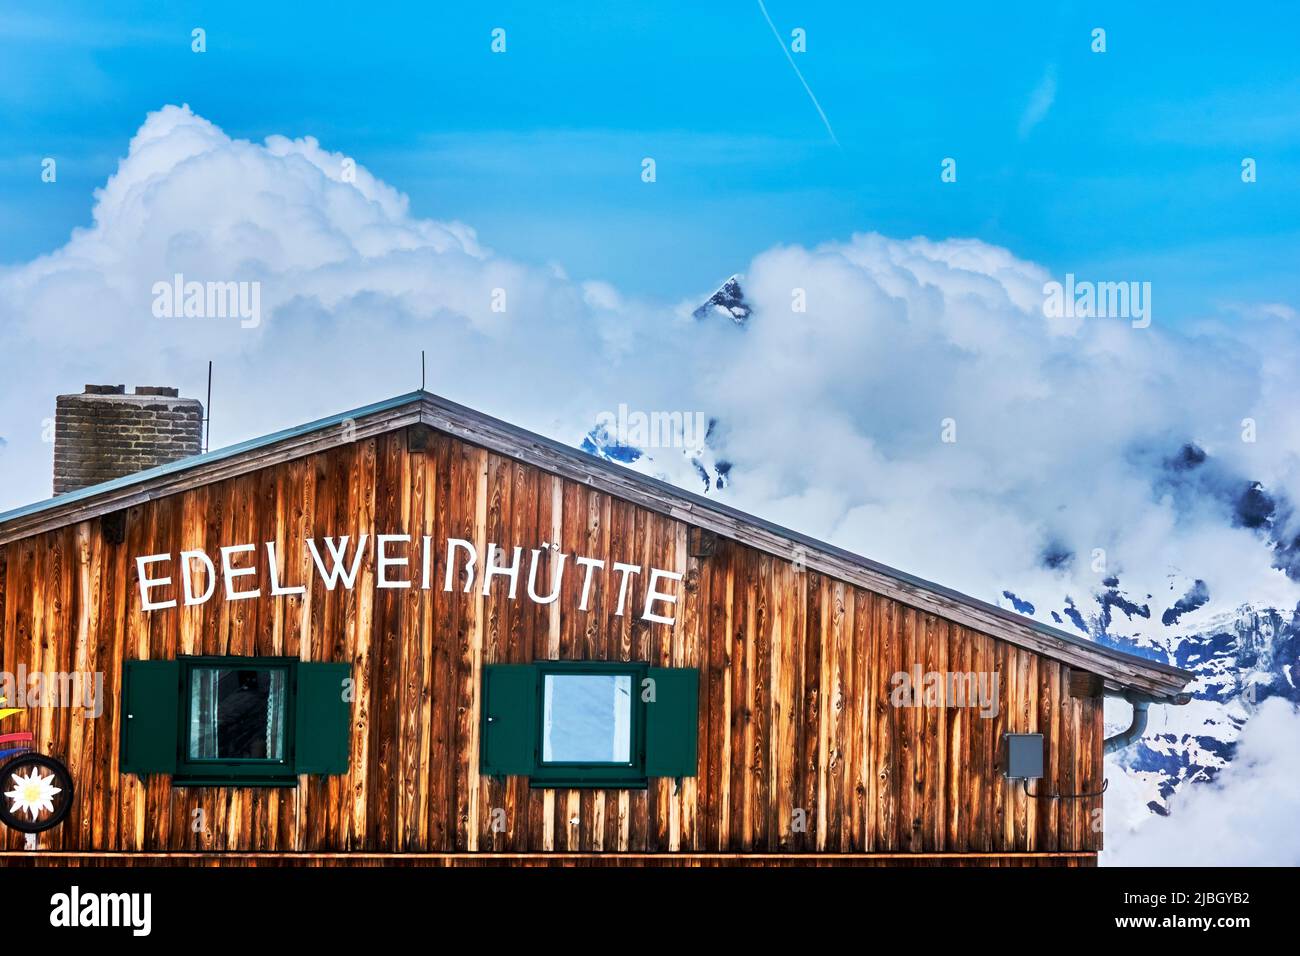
column 1246, row 817
column 352, row 286
column 835, row 422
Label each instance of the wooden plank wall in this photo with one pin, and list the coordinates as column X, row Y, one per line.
column 184, row 858
column 800, row 747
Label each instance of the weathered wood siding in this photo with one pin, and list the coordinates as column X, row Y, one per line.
column 188, row 858
column 795, row 679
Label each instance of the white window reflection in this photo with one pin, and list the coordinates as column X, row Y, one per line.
column 587, row 718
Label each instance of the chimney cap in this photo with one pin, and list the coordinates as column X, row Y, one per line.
column 104, row 433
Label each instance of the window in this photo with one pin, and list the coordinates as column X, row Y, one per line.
column 237, row 713
column 235, row 721
column 588, row 732
column 589, row 723
column 586, row 718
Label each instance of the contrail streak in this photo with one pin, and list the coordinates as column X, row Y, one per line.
column 794, row 66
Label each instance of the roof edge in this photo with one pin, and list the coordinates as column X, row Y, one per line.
column 469, row 425
column 92, row 492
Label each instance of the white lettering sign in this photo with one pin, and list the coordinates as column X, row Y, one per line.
column 398, row 562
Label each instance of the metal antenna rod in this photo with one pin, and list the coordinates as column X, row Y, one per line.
column 207, row 411
column 422, row 370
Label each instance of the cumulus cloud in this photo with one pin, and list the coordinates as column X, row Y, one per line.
column 1246, row 817
column 352, row 288
column 1063, row 435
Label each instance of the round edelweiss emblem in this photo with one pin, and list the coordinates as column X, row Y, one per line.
column 35, row 793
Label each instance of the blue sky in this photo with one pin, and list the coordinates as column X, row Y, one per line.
column 1123, row 164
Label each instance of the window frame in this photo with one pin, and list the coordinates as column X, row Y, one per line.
column 248, row 772
column 590, row 774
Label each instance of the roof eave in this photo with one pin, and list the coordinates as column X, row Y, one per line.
column 470, row 425
column 1123, row 669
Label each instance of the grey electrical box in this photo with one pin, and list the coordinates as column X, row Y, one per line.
column 1024, row 756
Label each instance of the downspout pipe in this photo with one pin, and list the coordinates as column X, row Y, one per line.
column 1140, row 703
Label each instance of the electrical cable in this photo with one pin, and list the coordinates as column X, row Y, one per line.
column 1065, row 796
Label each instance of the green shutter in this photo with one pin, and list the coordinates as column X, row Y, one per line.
column 151, row 694
column 322, row 718
column 509, row 719
column 672, row 722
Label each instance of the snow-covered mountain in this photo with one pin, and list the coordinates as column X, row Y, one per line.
column 693, row 463
column 728, row 301
column 1241, row 656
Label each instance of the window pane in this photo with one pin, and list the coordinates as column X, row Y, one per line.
column 587, row 718
column 236, row 714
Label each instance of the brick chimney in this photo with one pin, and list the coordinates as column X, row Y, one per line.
column 105, row 433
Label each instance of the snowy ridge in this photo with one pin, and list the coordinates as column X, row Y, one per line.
column 696, row 466
column 1240, row 657
column 728, row 301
